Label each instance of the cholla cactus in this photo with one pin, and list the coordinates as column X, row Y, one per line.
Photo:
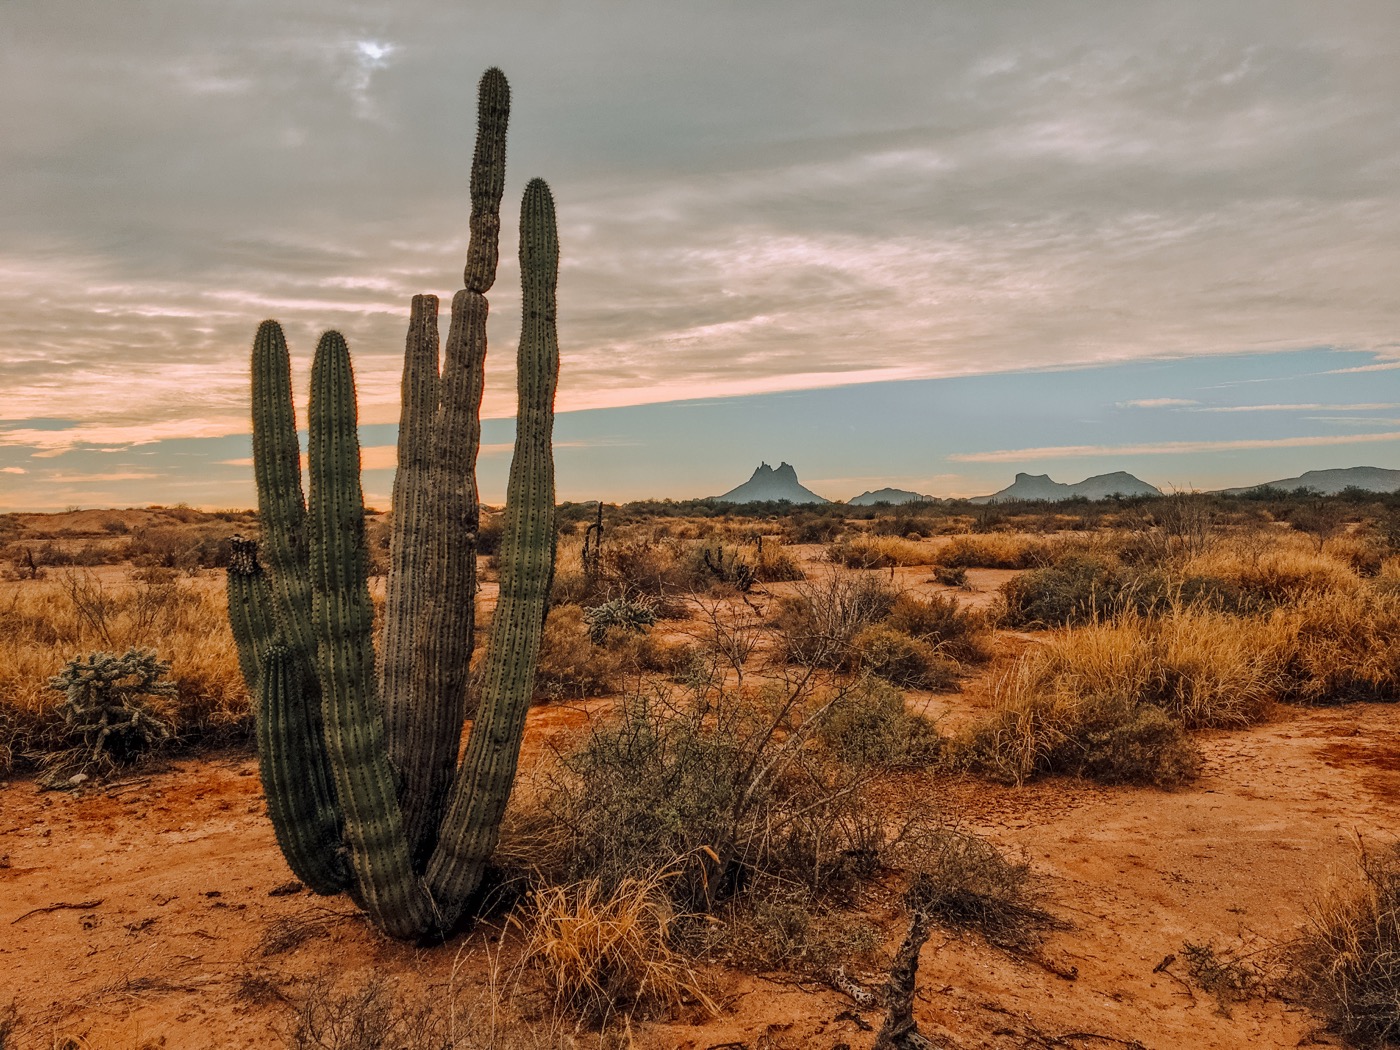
column 635, row 616
column 105, row 704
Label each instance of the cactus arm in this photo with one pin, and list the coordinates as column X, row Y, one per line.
column 250, row 613
column 344, row 622
column 296, row 780
column 410, row 579
column 483, row 786
column 446, row 630
column 488, row 181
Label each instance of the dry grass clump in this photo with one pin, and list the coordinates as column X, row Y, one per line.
column 901, row 659
column 994, row 551
column 780, row 927
column 1277, row 567
column 1077, row 590
column 1347, row 961
column 609, row 954
column 1112, row 701
column 880, row 552
column 44, row 623
column 1339, row 647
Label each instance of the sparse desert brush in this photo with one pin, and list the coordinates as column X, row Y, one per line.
column 956, row 632
column 870, row 726
column 818, row 622
column 45, row 623
column 880, row 552
column 993, row 551
column 1277, row 567
column 1075, row 590
column 1347, row 961
column 967, row 883
column 608, row 953
column 899, row 658
column 720, row 783
column 571, row 665
column 779, row 926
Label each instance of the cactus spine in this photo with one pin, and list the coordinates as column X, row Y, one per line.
column 359, row 758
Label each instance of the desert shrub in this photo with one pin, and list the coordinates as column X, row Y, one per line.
column 608, row 954
column 808, row 528
column 955, row 632
column 893, row 655
column 995, row 551
column 571, row 666
column 1274, row 569
column 1347, row 961
column 967, row 883
column 1076, row 590
column 719, row 784
column 880, row 552
column 776, row 926
column 950, row 575
column 818, row 623
column 870, row 726
column 170, row 547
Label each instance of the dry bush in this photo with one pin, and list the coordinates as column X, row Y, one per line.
column 44, row 623
column 571, row 666
column 967, row 883
column 609, row 954
column 1347, row 961
column 955, row 632
column 880, row 552
column 375, row 1013
column 776, row 926
column 901, row 659
column 725, row 784
column 993, row 551
column 819, row 621
column 1076, row 590
column 869, row 726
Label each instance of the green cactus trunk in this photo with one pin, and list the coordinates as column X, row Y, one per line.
column 359, row 756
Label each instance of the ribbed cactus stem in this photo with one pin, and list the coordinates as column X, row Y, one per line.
column 296, row 780
column 483, row 787
column 344, row 620
column 412, row 576
column 488, row 181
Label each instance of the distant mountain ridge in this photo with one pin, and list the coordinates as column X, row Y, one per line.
column 770, row 484
column 891, row 496
column 1043, row 487
column 1331, row 482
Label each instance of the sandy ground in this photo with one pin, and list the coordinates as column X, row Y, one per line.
column 154, row 910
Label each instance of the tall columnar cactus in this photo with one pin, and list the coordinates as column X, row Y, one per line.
column 358, row 754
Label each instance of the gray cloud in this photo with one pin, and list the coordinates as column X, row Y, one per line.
column 751, row 196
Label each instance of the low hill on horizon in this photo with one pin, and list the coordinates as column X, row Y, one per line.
column 893, row 497
column 1330, row 482
column 1043, row 487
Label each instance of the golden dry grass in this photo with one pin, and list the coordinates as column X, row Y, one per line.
column 609, row 955
column 880, row 552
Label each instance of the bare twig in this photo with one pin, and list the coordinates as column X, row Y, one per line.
column 58, row 907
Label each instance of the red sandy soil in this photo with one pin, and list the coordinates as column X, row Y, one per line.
column 149, row 910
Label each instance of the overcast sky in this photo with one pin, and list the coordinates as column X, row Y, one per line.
column 754, row 198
